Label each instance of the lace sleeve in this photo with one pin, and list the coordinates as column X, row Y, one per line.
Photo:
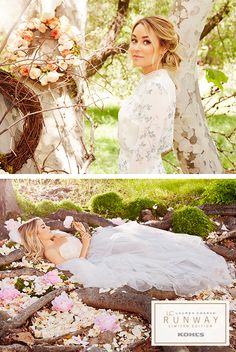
column 155, row 131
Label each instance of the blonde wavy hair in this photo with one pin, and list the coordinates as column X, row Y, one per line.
column 159, row 27
column 31, row 241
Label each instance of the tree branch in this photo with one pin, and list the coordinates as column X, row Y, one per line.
column 219, row 209
column 229, row 254
column 120, row 299
column 90, row 219
column 215, row 20
column 107, row 47
column 12, row 257
column 116, row 25
column 18, row 272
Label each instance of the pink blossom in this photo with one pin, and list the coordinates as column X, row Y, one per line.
column 9, row 293
column 28, row 35
column 52, row 67
column 55, row 33
column 62, row 303
column 106, row 322
column 51, row 278
column 24, row 70
column 65, row 52
column 68, row 221
column 52, row 22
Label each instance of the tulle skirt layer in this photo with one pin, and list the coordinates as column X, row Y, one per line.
column 143, row 257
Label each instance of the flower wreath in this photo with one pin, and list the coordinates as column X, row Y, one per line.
column 22, row 55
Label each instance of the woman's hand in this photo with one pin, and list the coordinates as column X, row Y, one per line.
column 79, row 227
column 85, row 238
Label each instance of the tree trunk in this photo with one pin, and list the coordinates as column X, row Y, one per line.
column 193, row 144
column 7, row 199
column 61, row 148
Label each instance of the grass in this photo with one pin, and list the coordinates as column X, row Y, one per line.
column 107, row 146
column 223, row 130
column 173, row 192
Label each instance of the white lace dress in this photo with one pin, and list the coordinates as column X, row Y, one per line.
column 143, row 257
column 145, row 127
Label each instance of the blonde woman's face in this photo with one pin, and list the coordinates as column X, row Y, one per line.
column 142, row 50
column 44, row 232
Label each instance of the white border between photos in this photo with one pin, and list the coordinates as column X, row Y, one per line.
column 116, row 176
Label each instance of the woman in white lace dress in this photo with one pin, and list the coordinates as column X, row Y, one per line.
column 146, row 118
column 130, row 254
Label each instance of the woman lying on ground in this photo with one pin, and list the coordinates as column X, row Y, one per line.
column 131, row 254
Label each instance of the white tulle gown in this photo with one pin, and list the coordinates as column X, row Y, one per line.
column 143, row 257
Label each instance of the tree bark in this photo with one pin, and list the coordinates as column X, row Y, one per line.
column 224, row 236
column 219, row 209
column 229, row 254
column 18, row 272
column 211, row 349
column 90, row 219
column 12, row 257
column 193, row 144
column 118, row 300
column 14, row 348
column 47, row 348
column 7, row 199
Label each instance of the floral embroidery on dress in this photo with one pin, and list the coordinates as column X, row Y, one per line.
column 146, row 121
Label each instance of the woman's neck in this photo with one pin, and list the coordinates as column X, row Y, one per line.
column 150, row 69
column 47, row 243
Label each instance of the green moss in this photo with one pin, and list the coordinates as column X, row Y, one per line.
column 45, row 207
column 68, row 204
column 133, row 208
column 108, row 204
column 10, row 244
column 28, row 208
column 4, row 164
column 20, row 285
column 193, row 221
column 220, row 192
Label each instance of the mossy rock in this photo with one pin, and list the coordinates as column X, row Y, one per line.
column 68, row 204
column 220, row 192
column 134, row 208
column 27, row 207
column 45, row 207
column 108, row 204
column 193, row 221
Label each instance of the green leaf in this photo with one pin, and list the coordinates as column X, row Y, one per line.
column 19, row 285
column 217, row 77
column 10, row 244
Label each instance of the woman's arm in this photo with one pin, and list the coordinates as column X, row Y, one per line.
column 84, row 251
column 85, row 238
column 54, row 256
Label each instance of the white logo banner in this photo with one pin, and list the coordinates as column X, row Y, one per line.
column 190, row 323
